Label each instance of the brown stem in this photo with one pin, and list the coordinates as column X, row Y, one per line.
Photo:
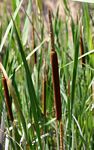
column 82, row 49
column 51, row 31
column 33, row 44
column 61, row 136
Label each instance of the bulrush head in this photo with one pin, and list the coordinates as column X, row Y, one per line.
column 56, row 84
column 7, row 98
column 55, row 74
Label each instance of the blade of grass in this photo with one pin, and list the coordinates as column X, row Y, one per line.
column 80, row 57
column 15, row 3
column 80, row 131
column 76, row 53
column 75, row 34
column 31, row 90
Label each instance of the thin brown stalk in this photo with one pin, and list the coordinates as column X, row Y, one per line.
column 51, row 32
column 82, row 49
column 7, row 98
column 33, row 44
column 61, row 136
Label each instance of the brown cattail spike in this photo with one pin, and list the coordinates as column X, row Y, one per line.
column 8, row 102
column 82, row 48
column 55, row 73
column 51, row 31
column 56, row 85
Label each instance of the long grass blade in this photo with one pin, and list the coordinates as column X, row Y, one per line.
column 31, row 91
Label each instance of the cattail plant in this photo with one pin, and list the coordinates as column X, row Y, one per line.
column 56, row 84
column 7, row 98
column 55, row 74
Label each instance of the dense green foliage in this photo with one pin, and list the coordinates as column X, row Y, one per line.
column 32, row 128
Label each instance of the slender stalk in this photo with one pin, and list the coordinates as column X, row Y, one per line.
column 69, row 115
column 51, row 32
column 61, row 136
column 33, row 43
column 82, row 49
column 57, row 136
column 76, row 39
column 44, row 91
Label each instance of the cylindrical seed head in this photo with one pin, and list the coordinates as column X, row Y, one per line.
column 56, row 85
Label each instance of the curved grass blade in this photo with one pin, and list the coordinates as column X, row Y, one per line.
column 80, row 131
column 30, row 54
column 75, row 34
column 31, row 90
column 76, row 53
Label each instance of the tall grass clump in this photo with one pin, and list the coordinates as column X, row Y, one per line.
column 46, row 76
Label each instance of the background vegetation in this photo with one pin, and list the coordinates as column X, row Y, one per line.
column 32, row 113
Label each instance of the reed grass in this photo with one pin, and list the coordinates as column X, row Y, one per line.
column 52, row 101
